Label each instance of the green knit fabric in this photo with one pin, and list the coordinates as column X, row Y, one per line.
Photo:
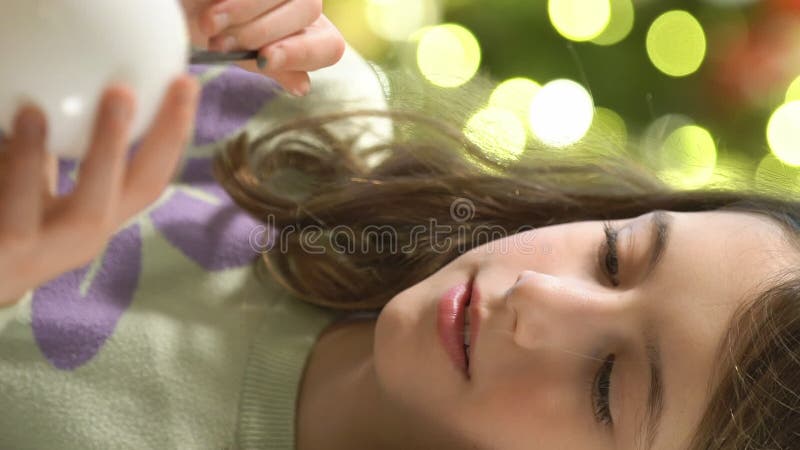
column 274, row 372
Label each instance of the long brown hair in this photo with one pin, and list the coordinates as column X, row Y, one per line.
column 428, row 168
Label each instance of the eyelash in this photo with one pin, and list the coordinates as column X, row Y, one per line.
column 601, row 390
column 601, row 386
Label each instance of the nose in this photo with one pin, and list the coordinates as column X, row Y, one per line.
column 567, row 312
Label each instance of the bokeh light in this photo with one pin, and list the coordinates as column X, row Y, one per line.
column 579, row 20
column 396, row 20
column 499, row 132
column 746, row 54
column 620, row 25
column 793, row 93
column 652, row 140
column 448, row 55
column 515, row 95
column 732, row 171
column 676, row 43
column 783, row 133
column 561, row 113
column 608, row 133
column 774, row 176
column 689, row 156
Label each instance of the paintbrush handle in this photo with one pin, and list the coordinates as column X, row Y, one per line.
column 205, row 57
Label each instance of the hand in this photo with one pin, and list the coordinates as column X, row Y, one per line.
column 292, row 36
column 43, row 236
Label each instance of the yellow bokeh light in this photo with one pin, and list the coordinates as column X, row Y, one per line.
column 732, row 172
column 689, row 156
column 676, row 43
column 608, row 133
column 498, row 132
column 620, row 25
column 783, row 133
column 355, row 28
column 448, row 55
column 774, row 176
column 793, row 93
column 561, row 113
column 396, row 20
column 515, row 95
column 579, row 20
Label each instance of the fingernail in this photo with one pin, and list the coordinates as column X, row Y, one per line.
column 228, row 44
column 262, row 62
column 278, row 56
column 221, row 21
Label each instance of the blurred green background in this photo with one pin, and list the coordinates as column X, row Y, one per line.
column 705, row 92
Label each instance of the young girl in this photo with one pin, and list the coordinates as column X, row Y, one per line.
column 541, row 305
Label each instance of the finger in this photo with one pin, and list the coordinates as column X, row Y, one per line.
column 296, row 83
column 50, row 181
column 154, row 163
column 285, row 20
column 96, row 195
column 222, row 15
column 312, row 49
column 22, row 177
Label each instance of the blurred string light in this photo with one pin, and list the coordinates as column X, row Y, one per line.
column 783, row 133
column 732, row 171
column 608, row 133
column 515, row 95
column 448, row 55
column 793, row 93
column 676, row 43
column 499, row 132
column 620, row 24
column 561, row 113
column 689, row 157
column 579, row 20
column 396, row 20
column 652, row 140
column 773, row 175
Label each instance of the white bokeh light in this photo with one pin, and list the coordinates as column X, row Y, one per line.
column 561, row 113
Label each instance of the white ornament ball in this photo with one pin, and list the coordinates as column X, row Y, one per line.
column 61, row 55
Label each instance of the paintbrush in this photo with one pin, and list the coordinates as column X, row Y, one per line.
column 206, row 57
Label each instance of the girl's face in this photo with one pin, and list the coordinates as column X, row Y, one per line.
column 574, row 348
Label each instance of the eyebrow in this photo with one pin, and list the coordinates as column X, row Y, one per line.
column 660, row 223
column 655, row 396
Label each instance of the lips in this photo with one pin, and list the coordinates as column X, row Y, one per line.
column 450, row 323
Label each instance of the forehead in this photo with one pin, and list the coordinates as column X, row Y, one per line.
column 715, row 262
column 738, row 250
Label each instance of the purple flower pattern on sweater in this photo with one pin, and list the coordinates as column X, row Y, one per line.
column 74, row 315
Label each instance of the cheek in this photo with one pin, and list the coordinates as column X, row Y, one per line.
column 410, row 365
column 392, row 341
column 514, row 414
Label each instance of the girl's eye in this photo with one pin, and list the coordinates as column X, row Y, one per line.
column 609, row 258
column 600, row 392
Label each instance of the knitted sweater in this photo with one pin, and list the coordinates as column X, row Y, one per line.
column 170, row 339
